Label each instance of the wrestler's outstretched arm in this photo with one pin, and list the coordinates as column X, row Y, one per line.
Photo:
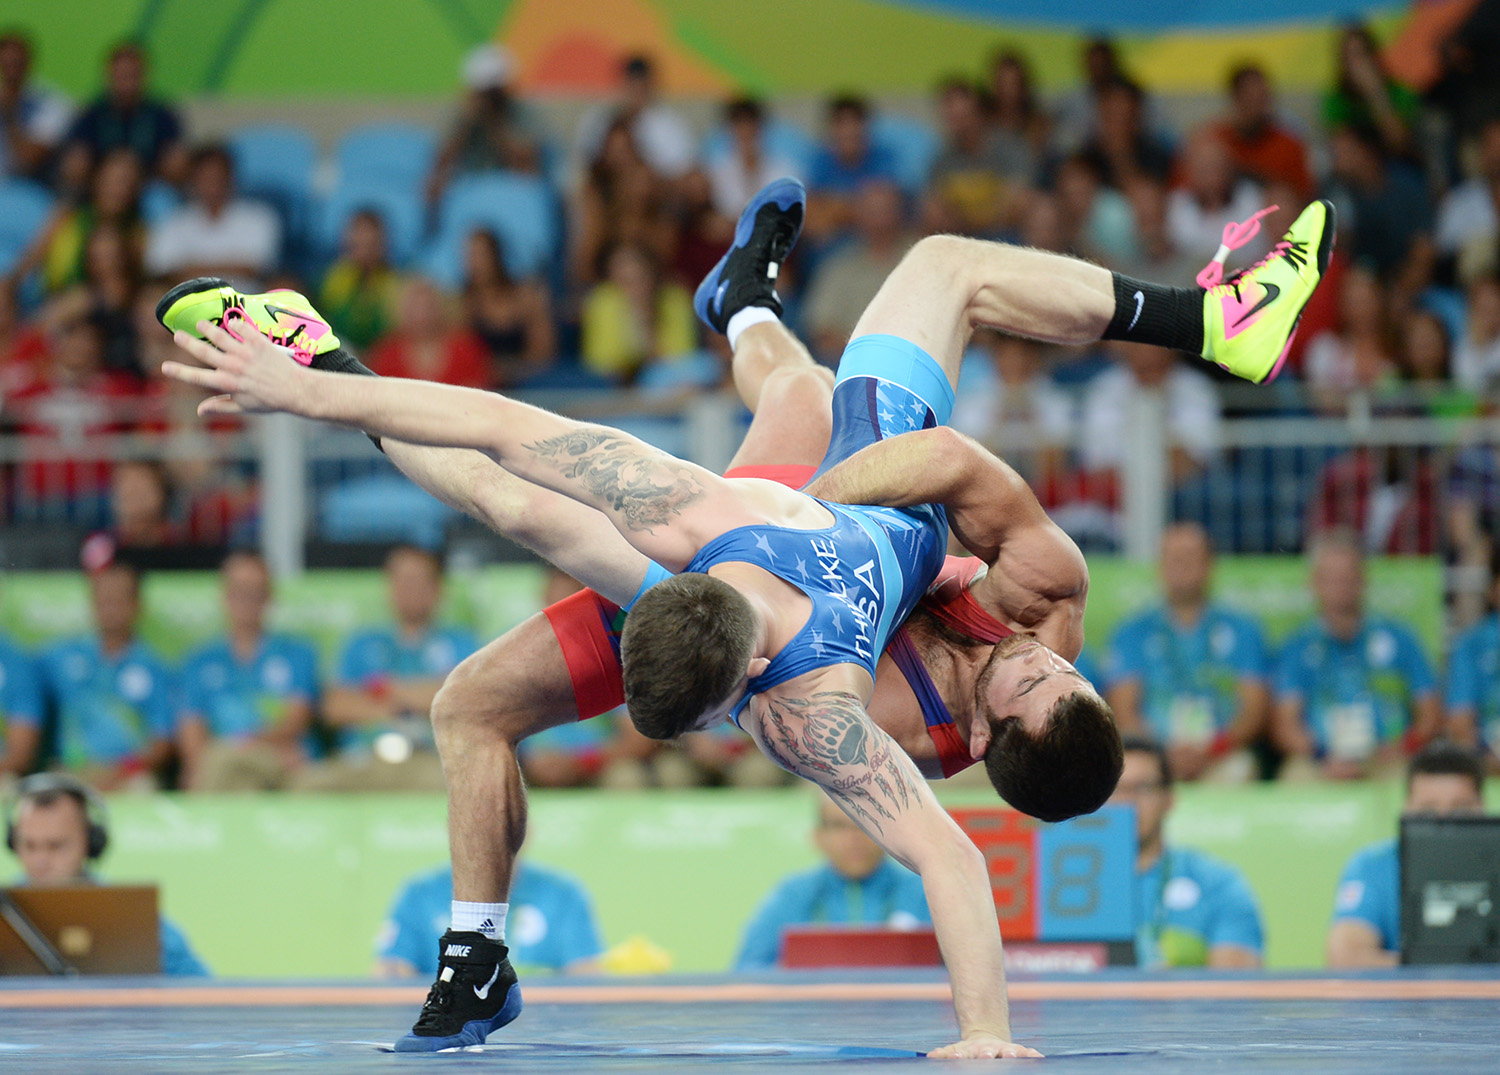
column 665, row 507
column 830, row 739
column 576, row 539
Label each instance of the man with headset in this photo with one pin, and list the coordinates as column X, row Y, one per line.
column 57, row 826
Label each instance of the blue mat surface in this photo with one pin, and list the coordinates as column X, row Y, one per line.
column 1448, row 1022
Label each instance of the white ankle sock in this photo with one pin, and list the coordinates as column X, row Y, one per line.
column 750, row 315
column 486, row 918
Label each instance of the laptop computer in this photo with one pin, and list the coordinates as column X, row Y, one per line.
column 1450, row 889
column 96, row 929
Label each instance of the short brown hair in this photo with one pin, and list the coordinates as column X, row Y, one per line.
column 686, row 644
column 1071, row 768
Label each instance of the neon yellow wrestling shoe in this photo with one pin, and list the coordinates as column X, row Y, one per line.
column 286, row 317
column 1250, row 319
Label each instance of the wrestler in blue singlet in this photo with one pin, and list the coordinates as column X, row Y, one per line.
column 865, row 572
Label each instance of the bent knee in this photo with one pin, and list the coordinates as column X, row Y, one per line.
column 465, row 704
column 944, row 253
column 798, row 386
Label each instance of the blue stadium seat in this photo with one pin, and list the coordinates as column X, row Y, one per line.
column 781, row 139
column 396, row 155
column 914, row 144
column 276, row 163
column 383, row 507
column 520, row 209
column 400, row 208
column 24, row 209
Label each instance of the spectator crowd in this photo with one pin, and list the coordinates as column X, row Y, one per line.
column 511, row 252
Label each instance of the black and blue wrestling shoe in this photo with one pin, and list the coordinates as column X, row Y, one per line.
column 746, row 275
column 476, row 992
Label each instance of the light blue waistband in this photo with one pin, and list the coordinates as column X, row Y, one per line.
column 891, row 358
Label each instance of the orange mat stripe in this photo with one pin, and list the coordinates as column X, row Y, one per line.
column 250, row 996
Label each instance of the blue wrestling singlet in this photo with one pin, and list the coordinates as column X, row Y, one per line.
column 866, row 572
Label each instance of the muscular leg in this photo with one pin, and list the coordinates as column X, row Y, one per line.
column 788, row 393
column 946, row 285
column 516, row 686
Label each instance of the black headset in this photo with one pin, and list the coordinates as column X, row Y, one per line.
column 61, row 783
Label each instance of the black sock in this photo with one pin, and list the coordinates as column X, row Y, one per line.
column 1164, row 316
column 340, row 361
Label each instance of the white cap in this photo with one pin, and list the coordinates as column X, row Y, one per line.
column 488, row 66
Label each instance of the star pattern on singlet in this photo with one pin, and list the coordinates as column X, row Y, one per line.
column 838, row 625
column 817, row 643
column 802, row 568
column 765, row 546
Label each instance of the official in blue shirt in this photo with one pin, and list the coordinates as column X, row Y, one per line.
column 20, row 710
column 1474, row 681
column 50, row 830
column 1190, row 674
column 388, row 673
column 550, row 924
column 858, row 884
column 1353, row 692
column 248, row 697
column 113, row 694
column 1445, row 780
column 1190, row 909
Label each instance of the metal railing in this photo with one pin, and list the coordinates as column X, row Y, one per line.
column 1272, row 480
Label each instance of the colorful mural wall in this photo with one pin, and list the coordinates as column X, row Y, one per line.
column 405, row 48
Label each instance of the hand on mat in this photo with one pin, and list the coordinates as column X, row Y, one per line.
column 253, row 373
column 983, row 1047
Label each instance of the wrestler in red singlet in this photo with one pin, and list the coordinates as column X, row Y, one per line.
column 588, row 630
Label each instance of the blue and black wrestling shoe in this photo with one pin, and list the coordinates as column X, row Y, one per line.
column 476, row 992
column 746, row 275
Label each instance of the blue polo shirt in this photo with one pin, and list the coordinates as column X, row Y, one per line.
column 108, row 708
column 892, row 895
column 1474, row 678
column 20, row 689
column 1357, row 694
column 239, row 699
column 828, row 173
column 1090, row 669
column 1188, row 903
column 385, row 653
column 550, row 924
column 177, row 956
column 1190, row 677
column 1370, row 892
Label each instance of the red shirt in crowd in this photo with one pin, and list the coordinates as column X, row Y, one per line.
column 463, row 360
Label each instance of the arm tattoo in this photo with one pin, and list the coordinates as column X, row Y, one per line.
column 645, row 487
column 830, row 740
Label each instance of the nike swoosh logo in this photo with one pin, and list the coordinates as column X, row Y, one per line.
column 1272, row 294
column 277, row 311
column 1140, row 301
column 483, row 994
column 718, row 303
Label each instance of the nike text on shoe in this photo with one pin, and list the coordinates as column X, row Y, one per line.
column 286, row 317
column 746, row 275
column 1250, row 319
column 476, row 992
